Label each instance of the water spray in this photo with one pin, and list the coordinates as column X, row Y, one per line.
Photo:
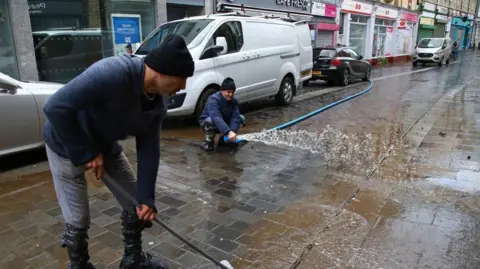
column 242, row 138
column 224, row 264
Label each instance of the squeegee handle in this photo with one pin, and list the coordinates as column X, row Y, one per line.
column 161, row 223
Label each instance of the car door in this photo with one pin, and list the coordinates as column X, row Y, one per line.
column 349, row 62
column 233, row 63
column 356, row 63
column 19, row 120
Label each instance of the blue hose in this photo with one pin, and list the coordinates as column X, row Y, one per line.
column 311, row 114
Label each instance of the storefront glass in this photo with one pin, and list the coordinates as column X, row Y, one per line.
column 8, row 63
column 382, row 36
column 358, row 33
column 71, row 35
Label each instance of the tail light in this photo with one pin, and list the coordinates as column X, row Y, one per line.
column 335, row 62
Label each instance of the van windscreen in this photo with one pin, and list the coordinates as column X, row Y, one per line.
column 430, row 43
column 188, row 29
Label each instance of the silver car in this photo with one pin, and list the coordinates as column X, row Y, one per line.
column 21, row 113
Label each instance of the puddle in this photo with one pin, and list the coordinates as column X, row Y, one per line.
column 465, row 181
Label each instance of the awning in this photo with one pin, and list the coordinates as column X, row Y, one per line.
column 328, row 26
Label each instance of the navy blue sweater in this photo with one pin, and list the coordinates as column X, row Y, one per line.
column 104, row 104
column 224, row 114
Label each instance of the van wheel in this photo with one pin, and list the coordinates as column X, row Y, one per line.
column 202, row 101
column 440, row 63
column 285, row 93
column 414, row 64
column 447, row 61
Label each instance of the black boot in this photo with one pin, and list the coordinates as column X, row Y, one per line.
column 75, row 240
column 134, row 257
column 208, row 145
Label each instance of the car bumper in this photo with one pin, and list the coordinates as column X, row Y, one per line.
column 325, row 74
column 433, row 59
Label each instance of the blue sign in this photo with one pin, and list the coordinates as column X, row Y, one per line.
column 126, row 30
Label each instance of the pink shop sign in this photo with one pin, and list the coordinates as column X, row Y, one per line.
column 330, row 11
column 406, row 16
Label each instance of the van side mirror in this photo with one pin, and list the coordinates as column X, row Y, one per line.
column 360, row 57
column 221, row 42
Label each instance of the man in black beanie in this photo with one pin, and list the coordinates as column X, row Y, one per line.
column 221, row 115
column 114, row 98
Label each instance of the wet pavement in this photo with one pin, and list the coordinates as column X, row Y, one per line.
column 393, row 182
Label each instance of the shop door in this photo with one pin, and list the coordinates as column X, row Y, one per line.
column 324, row 38
column 439, row 30
column 424, row 33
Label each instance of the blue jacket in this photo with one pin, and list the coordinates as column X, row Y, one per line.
column 224, row 114
column 104, row 104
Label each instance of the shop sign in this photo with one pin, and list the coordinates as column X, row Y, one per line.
column 127, row 29
column 54, row 8
column 357, row 7
column 427, row 21
column 301, row 4
column 442, row 10
column 441, row 18
column 386, row 12
column 429, row 6
column 455, row 13
column 283, row 5
column 325, row 10
column 407, row 16
column 426, row 14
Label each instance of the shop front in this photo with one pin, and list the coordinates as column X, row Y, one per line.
column 405, row 40
column 8, row 59
column 71, row 35
column 441, row 22
column 296, row 10
column 323, row 24
column 427, row 21
column 356, row 18
column 179, row 9
column 461, row 31
column 383, row 32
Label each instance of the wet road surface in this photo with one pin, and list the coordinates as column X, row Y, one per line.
column 392, row 182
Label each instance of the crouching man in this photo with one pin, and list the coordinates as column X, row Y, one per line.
column 221, row 115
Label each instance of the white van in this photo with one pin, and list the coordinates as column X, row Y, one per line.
column 433, row 50
column 266, row 57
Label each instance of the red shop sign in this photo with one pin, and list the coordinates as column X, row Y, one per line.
column 406, row 16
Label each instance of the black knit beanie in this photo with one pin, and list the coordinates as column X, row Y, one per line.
column 228, row 84
column 171, row 58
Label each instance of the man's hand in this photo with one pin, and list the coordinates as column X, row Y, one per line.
column 96, row 166
column 232, row 136
column 146, row 213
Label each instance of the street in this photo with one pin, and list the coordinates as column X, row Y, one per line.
column 392, row 181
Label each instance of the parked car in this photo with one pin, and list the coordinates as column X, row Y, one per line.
column 339, row 65
column 266, row 57
column 433, row 50
column 21, row 113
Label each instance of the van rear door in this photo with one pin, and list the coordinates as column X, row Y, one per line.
column 306, row 50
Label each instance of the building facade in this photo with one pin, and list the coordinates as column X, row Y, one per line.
column 379, row 29
column 64, row 37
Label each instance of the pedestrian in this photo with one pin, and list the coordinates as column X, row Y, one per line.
column 129, row 49
column 221, row 115
column 114, row 98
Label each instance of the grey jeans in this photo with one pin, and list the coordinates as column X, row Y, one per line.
column 71, row 186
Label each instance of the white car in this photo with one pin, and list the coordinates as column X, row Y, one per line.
column 267, row 57
column 21, row 113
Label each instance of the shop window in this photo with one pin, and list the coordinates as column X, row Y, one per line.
column 342, row 21
column 55, row 47
column 358, row 37
column 8, row 62
column 232, row 31
column 358, row 18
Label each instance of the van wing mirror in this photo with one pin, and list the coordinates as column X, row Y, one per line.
column 221, row 42
column 360, row 57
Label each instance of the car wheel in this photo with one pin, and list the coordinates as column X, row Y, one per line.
column 345, row 78
column 306, row 82
column 285, row 93
column 367, row 75
column 202, row 101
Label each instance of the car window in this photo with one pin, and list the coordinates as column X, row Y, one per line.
column 54, row 47
column 232, row 31
column 344, row 53
column 326, row 53
column 352, row 53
